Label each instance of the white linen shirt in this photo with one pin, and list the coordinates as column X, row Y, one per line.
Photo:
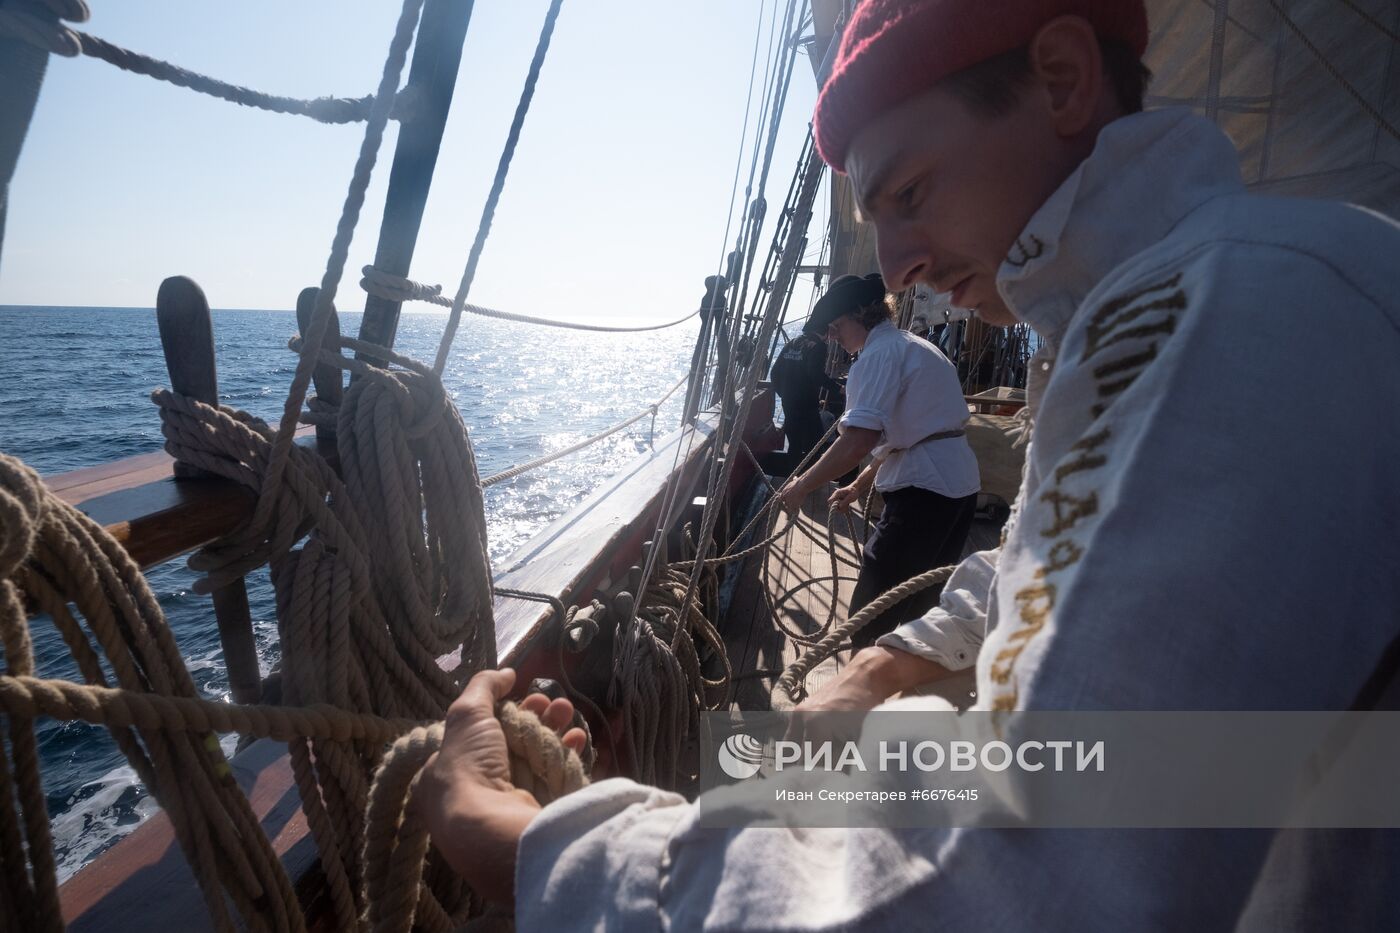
column 905, row 388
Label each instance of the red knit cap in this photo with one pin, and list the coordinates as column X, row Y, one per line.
column 894, row 49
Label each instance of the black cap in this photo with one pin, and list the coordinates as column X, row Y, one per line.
column 846, row 295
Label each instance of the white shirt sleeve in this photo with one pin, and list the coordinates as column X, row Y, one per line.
column 952, row 632
column 872, row 389
column 620, row 857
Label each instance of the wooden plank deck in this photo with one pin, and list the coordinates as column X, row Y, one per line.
column 796, row 576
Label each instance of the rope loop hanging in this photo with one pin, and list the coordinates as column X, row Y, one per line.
column 791, row 683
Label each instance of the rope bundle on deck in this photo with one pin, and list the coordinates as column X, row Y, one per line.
column 657, row 680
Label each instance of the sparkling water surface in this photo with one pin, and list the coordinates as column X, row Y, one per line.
column 74, row 392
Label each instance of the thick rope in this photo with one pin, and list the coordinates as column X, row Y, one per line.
column 31, row 697
column 392, row 287
column 73, row 42
column 400, row 538
column 791, row 683
column 393, row 576
column 45, row 542
column 587, row 442
column 397, row 837
column 404, row 29
column 55, row 554
column 658, row 686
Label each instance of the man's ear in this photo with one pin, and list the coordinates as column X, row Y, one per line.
column 1067, row 62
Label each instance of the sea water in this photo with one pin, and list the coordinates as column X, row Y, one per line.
column 75, row 389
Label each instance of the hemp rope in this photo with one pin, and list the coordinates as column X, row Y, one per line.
column 59, row 542
column 401, row 537
column 54, row 37
column 397, row 838
column 392, row 287
column 54, row 554
column 791, row 683
column 398, row 537
column 657, row 680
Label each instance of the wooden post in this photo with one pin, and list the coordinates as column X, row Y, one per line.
column 433, row 76
column 187, row 337
column 330, row 385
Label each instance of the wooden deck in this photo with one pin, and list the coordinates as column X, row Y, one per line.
column 789, row 588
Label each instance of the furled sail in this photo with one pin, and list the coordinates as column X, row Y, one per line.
column 1308, row 90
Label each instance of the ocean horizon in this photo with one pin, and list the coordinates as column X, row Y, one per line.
column 75, row 387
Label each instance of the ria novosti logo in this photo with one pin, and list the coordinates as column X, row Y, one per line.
column 741, row 756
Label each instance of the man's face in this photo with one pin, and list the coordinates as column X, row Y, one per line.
column 950, row 190
column 848, row 332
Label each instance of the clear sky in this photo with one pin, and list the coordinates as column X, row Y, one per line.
column 614, row 208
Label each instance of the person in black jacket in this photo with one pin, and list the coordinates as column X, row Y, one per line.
column 799, row 376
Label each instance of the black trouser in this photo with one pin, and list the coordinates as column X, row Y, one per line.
column 918, row 530
column 802, row 424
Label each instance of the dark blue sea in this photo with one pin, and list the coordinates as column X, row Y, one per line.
column 74, row 392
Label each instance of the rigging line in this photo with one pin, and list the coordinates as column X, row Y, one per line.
column 574, row 448
column 488, row 212
column 697, row 374
column 811, row 296
column 397, row 288
column 1322, row 59
column 742, row 242
column 782, row 82
column 813, row 172
column 323, row 109
column 340, row 248
column 721, row 265
column 1374, row 23
column 750, row 225
column 743, row 137
column 712, row 337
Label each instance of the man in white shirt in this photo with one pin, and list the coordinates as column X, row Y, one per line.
column 904, row 408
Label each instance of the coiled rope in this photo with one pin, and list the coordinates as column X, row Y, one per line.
column 393, row 576
column 396, row 837
column 52, row 553
column 657, row 680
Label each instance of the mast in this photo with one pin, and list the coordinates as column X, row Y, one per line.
column 433, row 78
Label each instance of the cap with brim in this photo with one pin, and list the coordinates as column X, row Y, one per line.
column 846, row 295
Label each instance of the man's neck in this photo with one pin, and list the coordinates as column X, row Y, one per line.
column 1146, row 173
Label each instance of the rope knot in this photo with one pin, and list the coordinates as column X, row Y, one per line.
column 393, row 287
